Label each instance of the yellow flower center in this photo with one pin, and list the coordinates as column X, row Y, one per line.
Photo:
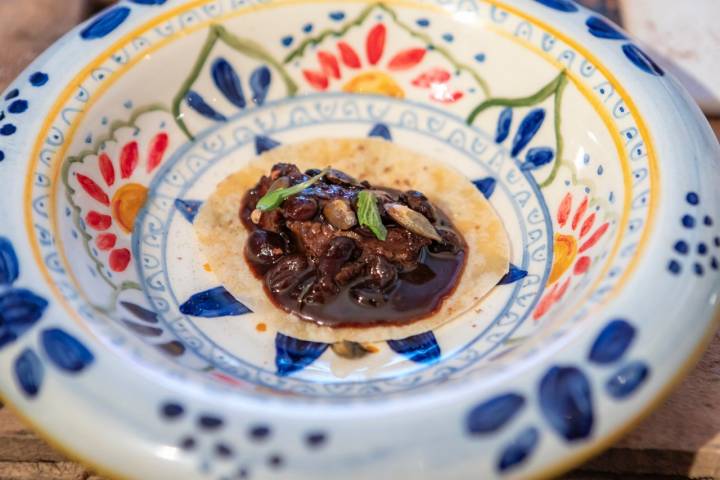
column 126, row 204
column 565, row 250
column 374, row 83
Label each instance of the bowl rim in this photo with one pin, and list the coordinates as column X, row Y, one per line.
column 141, row 14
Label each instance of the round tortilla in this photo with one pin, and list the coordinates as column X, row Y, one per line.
column 382, row 163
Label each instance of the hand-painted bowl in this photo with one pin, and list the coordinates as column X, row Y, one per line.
column 119, row 344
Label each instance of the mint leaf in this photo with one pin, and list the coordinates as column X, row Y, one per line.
column 274, row 199
column 369, row 215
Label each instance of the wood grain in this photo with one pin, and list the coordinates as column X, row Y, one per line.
column 680, row 440
column 27, row 27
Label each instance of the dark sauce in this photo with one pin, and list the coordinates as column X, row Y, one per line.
column 349, row 278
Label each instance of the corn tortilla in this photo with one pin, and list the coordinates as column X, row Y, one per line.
column 223, row 237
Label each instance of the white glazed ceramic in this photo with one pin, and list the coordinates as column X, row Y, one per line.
column 117, row 342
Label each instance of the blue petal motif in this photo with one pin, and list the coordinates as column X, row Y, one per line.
column 560, row 5
column 492, row 415
column 528, row 128
column 514, row 274
column 503, row 126
column 9, row 266
column 641, row 60
column 8, row 129
column 65, row 351
column 566, row 402
column 264, row 144
column 293, row 355
column 486, row 186
column 421, row 348
column 599, row 27
column 38, row 79
column 382, row 131
column 141, row 313
column 537, row 157
column 29, row 372
column 188, row 208
column 519, row 449
column 612, row 343
column 105, row 23
column 197, row 103
column 19, row 311
column 228, row 82
column 260, row 81
column 18, row 106
column 213, row 303
column 627, row 380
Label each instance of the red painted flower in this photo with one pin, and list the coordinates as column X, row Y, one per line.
column 577, row 235
column 114, row 187
column 372, row 74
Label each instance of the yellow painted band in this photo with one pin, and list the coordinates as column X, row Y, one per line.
column 622, row 155
column 642, row 128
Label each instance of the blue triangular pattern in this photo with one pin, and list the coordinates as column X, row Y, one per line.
column 486, row 186
column 264, row 144
column 188, row 208
column 514, row 274
column 293, row 355
column 421, row 348
column 213, row 303
column 382, row 131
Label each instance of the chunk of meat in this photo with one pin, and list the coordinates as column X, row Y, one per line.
column 340, row 250
column 401, row 246
column 312, row 237
column 349, row 272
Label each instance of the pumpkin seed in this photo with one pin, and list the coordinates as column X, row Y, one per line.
column 280, row 183
column 412, row 220
column 350, row 350
column 340, row 215
column 341, row 178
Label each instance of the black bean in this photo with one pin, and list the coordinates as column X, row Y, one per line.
column 265, row 247
column 287, row 273
column 300, row 208
column 340, row 178
column 450, row 243
column 382, row 272
column 419, row 202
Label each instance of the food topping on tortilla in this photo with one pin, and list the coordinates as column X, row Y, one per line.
column 340, row 252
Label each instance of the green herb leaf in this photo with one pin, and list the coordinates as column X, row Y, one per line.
column 369, row 215
column 274, row 199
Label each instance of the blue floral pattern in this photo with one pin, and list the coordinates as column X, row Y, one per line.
column 20, row 311
column 564, row 396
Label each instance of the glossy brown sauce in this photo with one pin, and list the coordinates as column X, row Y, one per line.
column 291, row 281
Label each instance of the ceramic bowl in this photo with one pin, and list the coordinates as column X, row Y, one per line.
column 119, row 344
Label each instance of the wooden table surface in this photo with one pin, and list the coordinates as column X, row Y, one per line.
column 680, row 440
